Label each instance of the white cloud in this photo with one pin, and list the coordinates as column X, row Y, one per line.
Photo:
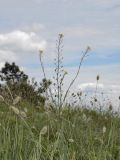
column 108, row 89
column 6, row 55
column 22, row 41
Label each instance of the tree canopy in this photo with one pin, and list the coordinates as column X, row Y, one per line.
column 12, row 73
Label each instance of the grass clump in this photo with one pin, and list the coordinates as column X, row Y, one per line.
column 79, row 134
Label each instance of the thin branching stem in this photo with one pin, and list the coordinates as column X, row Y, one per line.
column 77, row 73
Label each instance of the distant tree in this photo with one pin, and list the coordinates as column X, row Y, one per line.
column 12, row 73
column 20, row 85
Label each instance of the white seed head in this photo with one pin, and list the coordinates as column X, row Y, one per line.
column 15, row 110
column 16, row 100
column 23, row 114
column 104, row 129
column 26, row 110
column 71, row 140
column 1, row 99
column 44, row 130
column 84, row 117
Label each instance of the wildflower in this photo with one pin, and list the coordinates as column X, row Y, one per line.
column 1, row 99
column 44, row 130
column 16, row 100
column 15, row 110
column 104, row 129
column 71, row 140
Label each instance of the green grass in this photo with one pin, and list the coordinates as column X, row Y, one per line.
column 76, row 134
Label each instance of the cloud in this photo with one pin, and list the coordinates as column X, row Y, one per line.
column 91, row 88
column 22, row 41
column 19, row 45
column 6, row 54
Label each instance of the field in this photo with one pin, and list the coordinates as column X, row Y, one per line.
column 43, row 134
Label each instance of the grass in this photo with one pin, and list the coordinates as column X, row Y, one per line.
column 76, row 134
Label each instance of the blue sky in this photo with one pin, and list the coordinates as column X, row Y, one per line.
column 29, row 25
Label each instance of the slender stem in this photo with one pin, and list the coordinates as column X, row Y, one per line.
column 58, row 71
column 77, row 73
column 43, row 70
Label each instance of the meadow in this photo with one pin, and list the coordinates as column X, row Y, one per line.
column 54, row 129
column 75, row 134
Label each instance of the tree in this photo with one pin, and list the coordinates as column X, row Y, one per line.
column 20, row 85
column 12, row 73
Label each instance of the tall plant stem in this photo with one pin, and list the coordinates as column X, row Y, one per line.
column 43, row 70
column 77, row 73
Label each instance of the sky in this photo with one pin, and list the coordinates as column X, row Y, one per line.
column 26, row 26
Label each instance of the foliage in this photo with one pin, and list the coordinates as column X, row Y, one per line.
column 19, row 85
column 11, row 73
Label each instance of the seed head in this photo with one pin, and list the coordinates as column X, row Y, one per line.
column 88, row 49
column 44, row 130
column 16, row 100
column 41, row 52
column 26, row 110
column 1, row 99
column 23, row 114
column 61, row 35
column 15, row 110
column 104, row 129
column 98, row 77
column 71, row 140
column 65, row 72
